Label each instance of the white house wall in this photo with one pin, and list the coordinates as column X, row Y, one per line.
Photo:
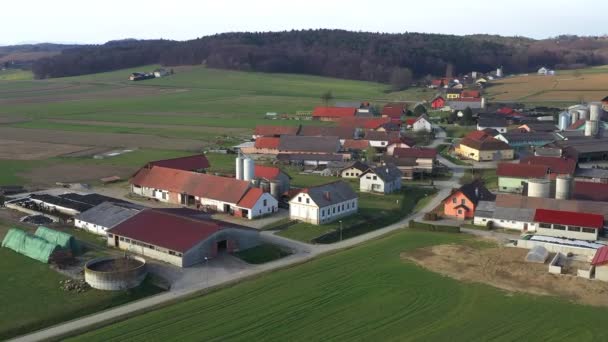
column 93, row 228
column 311, row 213
column 505, row 224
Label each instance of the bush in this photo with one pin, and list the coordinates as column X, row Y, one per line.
column 433, row 227
column 430, row 217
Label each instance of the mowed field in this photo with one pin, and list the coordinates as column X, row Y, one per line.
column 566, row 86
column 365, row 293
column 50, row 129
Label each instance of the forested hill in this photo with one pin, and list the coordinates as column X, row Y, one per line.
column 336, row 53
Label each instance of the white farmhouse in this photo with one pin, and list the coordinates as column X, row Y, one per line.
column 383, row 179
column 324, row 203
column 422, row 124
column 353, row 170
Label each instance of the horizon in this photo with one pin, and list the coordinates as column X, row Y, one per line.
column 541, row 20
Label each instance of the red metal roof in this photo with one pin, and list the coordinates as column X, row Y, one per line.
column 267, row 142
column 505, row 110
column 368, row 123
column 394, row 110
column 251, row 198
column 590, row 191
column 477, row 135
column 562, row 166
column 189, row 163
column 577, row 124
column 600, row 257
column 224, row 189
column 521, row 170
column 416, row 152
column 174, row 232
column 410, row 121
column 267, row 172
column 569, row 218
column 470, row 94
column 352, row 144
column 269, row 130
column 334, row 112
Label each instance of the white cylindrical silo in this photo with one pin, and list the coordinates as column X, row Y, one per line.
column 564, row 121
column 239, row 167
column 563, row 187
column 275, row 189
column 539, row 188
column 574, row 116
column 595, row 112
column 583, row 114
column 591, row 128
column 248, row 169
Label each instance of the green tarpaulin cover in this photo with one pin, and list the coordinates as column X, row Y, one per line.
column 29, row 245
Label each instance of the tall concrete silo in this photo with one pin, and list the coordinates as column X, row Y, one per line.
column 583, row 114
column 564, row 121
column 275, row 189
column 563, row 187
column 239, row 167
column 539, row 188
column 574, row 116
column 248, row 169
column 591, row 128
column 595, row 112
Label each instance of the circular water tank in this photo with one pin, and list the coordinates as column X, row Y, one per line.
column 595, row 112
column 564, row 121
column 109, row 273
column 563, row 187
column 275, row 189
column 539, row 188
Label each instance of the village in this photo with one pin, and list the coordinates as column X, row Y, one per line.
column 533, row 179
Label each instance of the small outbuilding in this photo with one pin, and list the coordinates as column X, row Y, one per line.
column 99, row 219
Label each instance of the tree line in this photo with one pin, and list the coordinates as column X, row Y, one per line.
column 386, row 58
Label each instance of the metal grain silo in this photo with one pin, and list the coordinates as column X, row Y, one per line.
column 595, row 112
column 539, row 188
column 239, row 167
column 563, row 187
column 564, row 121
column 248, row 169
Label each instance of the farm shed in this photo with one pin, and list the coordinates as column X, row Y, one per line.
column 62, row 240
column 29, row 245
column 107, row 215
column 600, row 262
column 183, row 238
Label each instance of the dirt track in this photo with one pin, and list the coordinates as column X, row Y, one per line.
column 27, row 150
column 99, row 139
column 505, row 268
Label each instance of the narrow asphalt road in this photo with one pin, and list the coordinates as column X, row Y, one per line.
column 302, row 252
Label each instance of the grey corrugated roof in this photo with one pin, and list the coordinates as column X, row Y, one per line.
column 332, row 193
column 320, row 144
column 514, row 214
column 513, row 137
column 109, row 214
column 491, row 122
column 591, row 173
column 462, row 105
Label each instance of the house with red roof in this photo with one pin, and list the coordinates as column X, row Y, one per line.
column 480, row 146
column 425, row 158
column 600, row 263
column 182, row 237
column 333, row 113
column 568, row 224
column 197, row 163
column 513, row 177
column 352, row 145
column 462, row 202
column 274, row 131
column 364, row 123
column 470, row 94
column 204, row 191
column 394, row 111
column 270, row 175
column 263, row 145
column 556, row 165
column 438, row 102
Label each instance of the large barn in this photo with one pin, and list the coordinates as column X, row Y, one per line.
column 181, row 237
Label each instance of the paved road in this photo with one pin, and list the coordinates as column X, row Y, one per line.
column 211, row 275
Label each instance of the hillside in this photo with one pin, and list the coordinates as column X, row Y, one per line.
column 24, row 55
column 342, row 54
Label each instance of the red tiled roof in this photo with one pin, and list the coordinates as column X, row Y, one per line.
column 521, row 170
column 267, row 142
column 368, row 123
column 505, row 110
column 224, row 189
column 600, row 257
column 470, row 93
column 267, row 172
column 352, row 144
column 411, row 121
column 174, row 232
column 394, row 110
column 189, row 163
column 590, row 191
column 334, row 112
column 569, row 218
column 477, row 135
column 577, row 124
column 416, row 152
column 269, row 130
column 251, row 197
column 557, row 165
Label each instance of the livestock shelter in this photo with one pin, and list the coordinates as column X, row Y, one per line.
column 63, row 240
column 29, row 245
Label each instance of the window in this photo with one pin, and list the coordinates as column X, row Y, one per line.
column 342, row 206
column 589, row 230
column 110, row 235
column 307, row 200
column 368, row 177
column 484, row 220
column 544, row 225
column 459, row 212
column 559, row 227
column 463, row 201
column 454, row 200
column 265, row 202
column 122, row 239
column 164, row 195
column 574, row 229
column 299, row 199
column 171, row 252
column 334, row 210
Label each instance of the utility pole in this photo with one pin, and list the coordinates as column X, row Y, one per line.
column 340, row 230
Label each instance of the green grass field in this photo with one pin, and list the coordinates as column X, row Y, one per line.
column 365, row 293
column 375, row 211
column 31, row 298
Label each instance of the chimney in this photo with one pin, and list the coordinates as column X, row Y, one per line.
column 327, row 195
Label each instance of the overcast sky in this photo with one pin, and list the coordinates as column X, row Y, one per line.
column 96, row 21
